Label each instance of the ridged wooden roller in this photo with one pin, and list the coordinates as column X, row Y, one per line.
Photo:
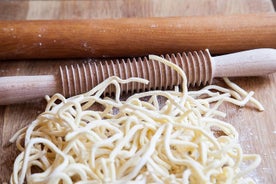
column 77, row 79
column 200, row 68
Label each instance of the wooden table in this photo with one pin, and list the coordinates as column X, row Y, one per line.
column 257, row 129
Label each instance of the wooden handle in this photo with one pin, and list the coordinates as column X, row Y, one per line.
column 247, row 63
column 16, row 89
column 135, row 36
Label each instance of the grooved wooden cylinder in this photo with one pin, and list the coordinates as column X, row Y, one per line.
column 80, row 78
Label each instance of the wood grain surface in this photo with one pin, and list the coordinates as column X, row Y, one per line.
column 46, row 39
column 257, row 129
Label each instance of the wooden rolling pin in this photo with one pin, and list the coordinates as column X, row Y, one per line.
column 47, row 39
column 199, row 67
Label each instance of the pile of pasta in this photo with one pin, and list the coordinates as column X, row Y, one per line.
column 136, row 140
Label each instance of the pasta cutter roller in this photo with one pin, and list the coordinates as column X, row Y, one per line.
column 199, row 66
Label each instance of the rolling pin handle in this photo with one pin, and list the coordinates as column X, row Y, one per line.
column 15, row 89
column 254, row 62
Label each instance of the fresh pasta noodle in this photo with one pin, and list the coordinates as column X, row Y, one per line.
column 137, row 140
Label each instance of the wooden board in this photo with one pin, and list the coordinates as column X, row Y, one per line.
column 257, row 129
